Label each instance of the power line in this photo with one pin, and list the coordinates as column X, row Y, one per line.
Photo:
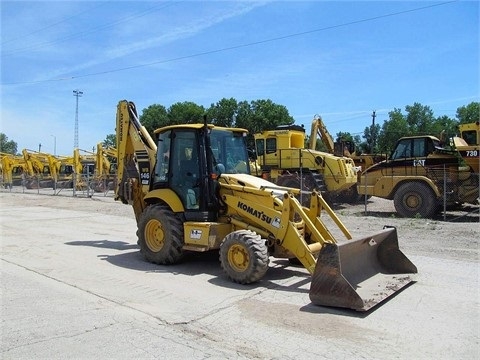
column 260, row 42
column 53, row 25
column 92, row 30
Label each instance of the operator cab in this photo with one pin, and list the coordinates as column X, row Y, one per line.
column 188, row 162
column 415, row 147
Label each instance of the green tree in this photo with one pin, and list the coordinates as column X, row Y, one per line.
column 371, row 134
column 185, row 112
column 7, row 146
column 261, row 115
column 154, row 117
column 469, row 113
column 346, row 141
column 445, row 128
column 223, row 113
column 268, row 115
column 392, row 129
column 256, row 116
column 110, row 140
column 420, row 119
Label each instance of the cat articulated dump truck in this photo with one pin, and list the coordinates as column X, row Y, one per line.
column 420, row 176
column 189, row 195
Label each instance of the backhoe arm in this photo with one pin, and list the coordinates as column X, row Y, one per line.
column 319, row 128
column 136, row 157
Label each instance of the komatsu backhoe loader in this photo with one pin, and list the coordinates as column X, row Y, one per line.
column 188, row 193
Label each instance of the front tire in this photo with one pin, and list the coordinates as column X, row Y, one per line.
column 244, row 256
column 415, row 199
column 160, row 235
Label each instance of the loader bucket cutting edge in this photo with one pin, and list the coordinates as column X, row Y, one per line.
column 359, row 274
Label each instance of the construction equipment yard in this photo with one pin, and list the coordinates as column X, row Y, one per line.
column 75, row 286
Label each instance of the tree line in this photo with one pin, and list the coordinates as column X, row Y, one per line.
column 261, row 115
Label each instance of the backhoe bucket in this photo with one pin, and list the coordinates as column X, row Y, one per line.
column 361, row 273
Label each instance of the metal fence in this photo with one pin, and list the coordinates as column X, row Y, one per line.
column 436, row 192
column 79, row 185
column 455, row 194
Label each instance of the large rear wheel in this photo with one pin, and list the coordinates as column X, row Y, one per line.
column 415, row 199
column 244, row 256
column 160, row 235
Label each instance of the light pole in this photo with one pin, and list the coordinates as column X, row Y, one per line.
column 54, row 145
column 77, row 93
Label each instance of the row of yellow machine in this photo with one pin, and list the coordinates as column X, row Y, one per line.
column 423, row 175
column 84, row 169
column 193, row 188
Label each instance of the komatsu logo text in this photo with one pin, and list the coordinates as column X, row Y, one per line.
column 258, row 214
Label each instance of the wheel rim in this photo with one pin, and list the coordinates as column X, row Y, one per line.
column 238, row 258
column 154, row 235
column 412, row 201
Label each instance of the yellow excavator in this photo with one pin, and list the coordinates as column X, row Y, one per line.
column 342, row 148
column 189, row 194
column 13, row 169
column 43, row 169
column 105, row 168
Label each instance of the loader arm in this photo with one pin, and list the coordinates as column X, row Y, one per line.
column 278, row 216
column 352, row 273
column 136, row 158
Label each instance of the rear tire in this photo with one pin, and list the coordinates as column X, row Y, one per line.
column 160, row 235
column 415, row 199
column 244, row 256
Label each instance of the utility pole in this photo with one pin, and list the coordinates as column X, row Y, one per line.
column 77, row 93
column 373, row 131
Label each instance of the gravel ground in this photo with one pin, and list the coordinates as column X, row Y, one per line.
column 456, row 237
column 76, row 258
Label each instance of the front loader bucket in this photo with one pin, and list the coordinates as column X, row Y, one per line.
column 361, row 273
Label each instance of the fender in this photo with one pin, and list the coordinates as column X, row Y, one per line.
column 166, row 195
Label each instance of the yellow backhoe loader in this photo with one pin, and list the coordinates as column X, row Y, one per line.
column 189, row 195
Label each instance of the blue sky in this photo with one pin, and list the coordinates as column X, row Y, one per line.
column 339, row 59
